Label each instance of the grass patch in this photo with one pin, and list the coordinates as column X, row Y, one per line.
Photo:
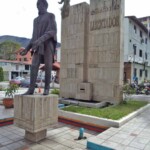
column 55, row 91
column 111, row 112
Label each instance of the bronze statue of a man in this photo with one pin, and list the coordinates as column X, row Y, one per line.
column 42, row 45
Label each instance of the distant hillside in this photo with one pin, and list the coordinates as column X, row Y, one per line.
column 21, row 40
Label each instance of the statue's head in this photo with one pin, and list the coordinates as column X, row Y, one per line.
column 42, row 5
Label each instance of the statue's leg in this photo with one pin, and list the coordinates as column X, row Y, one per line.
column 48, row 59
column 33, row 74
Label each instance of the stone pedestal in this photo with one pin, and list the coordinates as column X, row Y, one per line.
column 35, row 114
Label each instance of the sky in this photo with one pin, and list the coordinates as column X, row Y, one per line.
column 17, row 15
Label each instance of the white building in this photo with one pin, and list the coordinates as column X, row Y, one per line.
column 14, row 68
column 136, row 50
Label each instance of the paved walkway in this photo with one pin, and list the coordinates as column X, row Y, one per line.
column 62, row 137
column 134, row 135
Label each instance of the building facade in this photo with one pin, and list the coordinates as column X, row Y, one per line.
column 146, row 22
column 136, row 50
column 13, row 69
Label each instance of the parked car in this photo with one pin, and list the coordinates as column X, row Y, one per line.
column 16, row 80
column 26, row 83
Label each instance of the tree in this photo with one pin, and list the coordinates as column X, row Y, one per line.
column 7, row 50
column 1, row 74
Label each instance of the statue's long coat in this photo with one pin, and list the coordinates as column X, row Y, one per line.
column 45, row 30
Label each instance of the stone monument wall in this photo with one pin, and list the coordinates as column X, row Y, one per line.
column 92, row 51
column 105, row 50
column 74, row 50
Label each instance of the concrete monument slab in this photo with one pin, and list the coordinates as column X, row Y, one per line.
column 92, row 51
column 35, row 114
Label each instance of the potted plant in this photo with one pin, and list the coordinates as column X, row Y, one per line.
column 8, row 101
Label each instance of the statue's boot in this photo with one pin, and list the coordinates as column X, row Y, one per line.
column 33, row 77
column 46, row 92
column 47, row 83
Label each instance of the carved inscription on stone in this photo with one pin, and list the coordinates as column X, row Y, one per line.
column 114, row 5
column 108, row 22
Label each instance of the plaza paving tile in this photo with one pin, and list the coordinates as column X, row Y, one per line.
column 61, row 137
column 134, row 135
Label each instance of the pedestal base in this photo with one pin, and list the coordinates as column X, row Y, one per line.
column 35, row 114
column 35, row 137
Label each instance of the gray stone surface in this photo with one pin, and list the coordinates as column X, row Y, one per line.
column 92, row 51
column 82, row 103
column 35, row 114
column 37, row 136
column 62, row 137
column 105, row 49
column 73, row 50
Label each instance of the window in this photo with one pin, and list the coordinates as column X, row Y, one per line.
column 146, row 56
column 134, row 48
column 135, row 72
column 141, row 71
column 27, row 67
column 141, row 35
column 19, row 59
column 17, row 67
column 140, row 53
column 134, row 29
column 146, row 73
column 25, row 59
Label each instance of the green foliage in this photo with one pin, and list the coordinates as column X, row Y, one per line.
column 11, row 90
column 128, row 90
column 2, row 89
column 7, row 49
column 55, row 91
column 1, row 74
column 112, row 112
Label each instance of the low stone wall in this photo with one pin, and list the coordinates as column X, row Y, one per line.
column 100, row 122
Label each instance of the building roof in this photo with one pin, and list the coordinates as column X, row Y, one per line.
column 146, row 17
column 133, row 18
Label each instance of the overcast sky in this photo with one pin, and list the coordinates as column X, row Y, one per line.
column 17, row 15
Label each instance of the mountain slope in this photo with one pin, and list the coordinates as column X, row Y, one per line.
column 21, row 40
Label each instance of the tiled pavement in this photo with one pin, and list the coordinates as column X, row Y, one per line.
column 62, row 137
column 134, row 135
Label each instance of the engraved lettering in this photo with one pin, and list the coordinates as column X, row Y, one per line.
column 104, row 23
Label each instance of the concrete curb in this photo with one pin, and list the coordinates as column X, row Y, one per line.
column 100, row 121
